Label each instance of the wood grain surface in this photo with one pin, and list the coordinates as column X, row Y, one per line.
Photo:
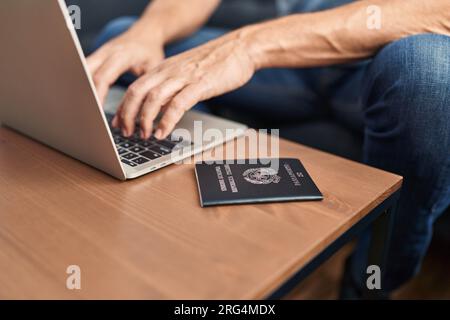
column 149, row 238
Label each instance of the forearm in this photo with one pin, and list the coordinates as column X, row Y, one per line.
column 169, row 20
column 341, row 35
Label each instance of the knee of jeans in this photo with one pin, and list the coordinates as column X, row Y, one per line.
column 113, row 29
column 408, row 83
column 415, row 65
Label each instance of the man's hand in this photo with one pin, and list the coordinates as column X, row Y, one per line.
column 141, row 48
column 130, row 52
column 182, row 81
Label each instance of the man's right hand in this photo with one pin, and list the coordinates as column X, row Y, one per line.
column 130, row 52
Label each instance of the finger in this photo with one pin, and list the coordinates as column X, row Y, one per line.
column 108, row 74
column 116, row 120
column 176, row 108
column 133, row 101
column 156, row 99
column 96, row 59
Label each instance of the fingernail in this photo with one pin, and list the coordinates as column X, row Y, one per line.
column 158, row 134
column 124, row 133
column 142, row 134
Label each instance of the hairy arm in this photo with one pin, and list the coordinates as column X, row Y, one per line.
column 343, row 34
column 303, row 40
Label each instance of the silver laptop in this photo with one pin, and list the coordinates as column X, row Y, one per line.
column 46, row 93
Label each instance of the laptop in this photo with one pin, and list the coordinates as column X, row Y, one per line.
column 46, row 93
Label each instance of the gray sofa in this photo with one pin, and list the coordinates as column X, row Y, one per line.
column 96, row 13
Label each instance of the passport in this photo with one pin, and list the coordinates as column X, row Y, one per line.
column 254, row 181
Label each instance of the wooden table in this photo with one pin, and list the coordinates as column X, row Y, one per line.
column 149, row 238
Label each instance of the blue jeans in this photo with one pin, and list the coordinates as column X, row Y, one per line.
column 400, row 100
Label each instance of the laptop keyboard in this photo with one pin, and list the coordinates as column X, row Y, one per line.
column 134, row 151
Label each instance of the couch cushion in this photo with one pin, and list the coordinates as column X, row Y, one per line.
column 231, row 14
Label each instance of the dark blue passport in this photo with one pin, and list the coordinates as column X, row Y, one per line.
column 254, row 181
